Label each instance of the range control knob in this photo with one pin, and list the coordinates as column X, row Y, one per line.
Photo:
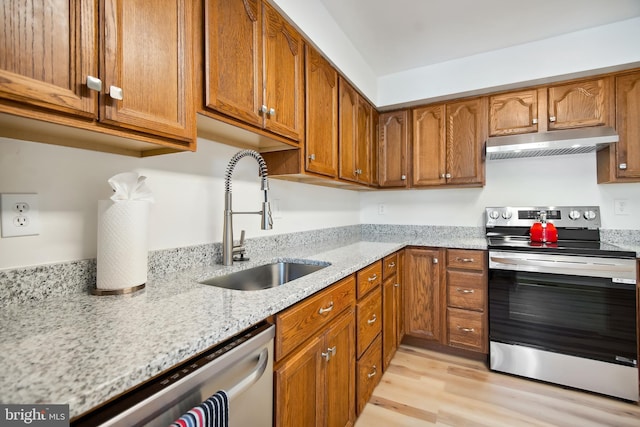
column 494, row 214
column 574, row 215
column 589, row 215
column 506, row 214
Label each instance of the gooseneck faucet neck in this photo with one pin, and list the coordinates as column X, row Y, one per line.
column 228, row 248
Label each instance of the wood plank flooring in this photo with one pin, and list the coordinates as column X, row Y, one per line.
column 425, row 388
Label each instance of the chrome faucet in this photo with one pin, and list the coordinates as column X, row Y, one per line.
column 228, row 248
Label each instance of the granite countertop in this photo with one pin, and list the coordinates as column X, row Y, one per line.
column 82, row 349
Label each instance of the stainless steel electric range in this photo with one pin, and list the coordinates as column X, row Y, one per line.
column 562, row 312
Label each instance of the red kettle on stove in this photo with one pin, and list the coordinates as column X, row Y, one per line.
column 543, row 231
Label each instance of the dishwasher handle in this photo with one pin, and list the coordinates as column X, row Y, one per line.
column 245, row 383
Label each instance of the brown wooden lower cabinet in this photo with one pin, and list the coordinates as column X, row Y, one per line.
column 315, row 385
column 369, row 372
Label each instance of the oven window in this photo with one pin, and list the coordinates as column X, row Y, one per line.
column 579, row 316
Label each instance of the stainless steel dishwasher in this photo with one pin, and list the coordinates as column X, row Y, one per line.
column 241, row 366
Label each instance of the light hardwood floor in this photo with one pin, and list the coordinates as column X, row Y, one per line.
column 424, row 388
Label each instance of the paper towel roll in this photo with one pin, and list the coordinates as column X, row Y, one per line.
column 122, row 244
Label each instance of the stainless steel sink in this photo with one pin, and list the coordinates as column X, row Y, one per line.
column 263, row 276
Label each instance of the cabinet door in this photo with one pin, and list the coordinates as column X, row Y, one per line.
column 148, row 54
column 363, row 141
column 373, row 150
column 628, row 126
column 466, row 135
column 283, row 75
column 322, row 115
column 429, row 155
column 423, row 294
column 390, row 321
column 392, row 147
column 300, row 387
column 399, row 297
column 233, row 58
column 340, row 372
column 347, row 113
column 513, row 113
column 47, row 51
column 579, row 104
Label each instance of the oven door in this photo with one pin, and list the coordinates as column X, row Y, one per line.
column 588, row 317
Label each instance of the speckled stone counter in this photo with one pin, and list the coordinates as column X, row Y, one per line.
column 82, row 349
column 67, row 346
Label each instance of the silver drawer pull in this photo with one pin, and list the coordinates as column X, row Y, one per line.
column 465, row 291
column 372, row 320
column 393, row 264
column 373, row 373
column 325, row 355
column 397, row 285
column 332, row 350
column 372, row 278
column 465, row 259
column 326, row 310
column 116, row 93
column 460, row 328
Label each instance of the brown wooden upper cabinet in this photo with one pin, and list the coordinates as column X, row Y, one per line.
column 355, row 127
column 254, row 66
column 513, row 113
column 126, row 64
column 393, row 143
column 620, row 162
column 321, row 142
column 564, row 106
column 448, row 141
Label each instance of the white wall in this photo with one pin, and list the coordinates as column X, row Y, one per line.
column 560, row 181
column 593, row 49
column 189, row 193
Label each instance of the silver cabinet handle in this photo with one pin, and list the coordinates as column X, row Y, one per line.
column 447, row 175
column 403, row 177
column 442, row 175
column 393, row 264
column 372, row 278
column 272, row 112
column 326, row 310
column 397, row 285
column 312, row 156
column 325, row 355
column 534, row 121
column 332, row 350
column 115, row 92
column 622, row 166
column 372, row 320
column 373, row 373
column 465, row 291
column 552, row 118
column 263, row 109
column 460, row 328
column 464, row 259
column 94, row 83
column 435, row 260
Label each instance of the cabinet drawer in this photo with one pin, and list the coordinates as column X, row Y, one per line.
column 466, row 289
column 468, row 259
column 368, row 320
column 369, row 277
column 389, row 266
column 466, row 329
column 295, row 324
column 369, row 372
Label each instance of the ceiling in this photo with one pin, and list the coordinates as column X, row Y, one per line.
column 397, row 35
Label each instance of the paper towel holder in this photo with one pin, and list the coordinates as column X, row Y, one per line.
column 123, row 291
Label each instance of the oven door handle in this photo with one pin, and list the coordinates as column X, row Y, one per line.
column 605, row 269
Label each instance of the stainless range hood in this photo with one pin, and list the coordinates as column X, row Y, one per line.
column 570, row 141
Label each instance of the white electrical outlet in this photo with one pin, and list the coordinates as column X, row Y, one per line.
column 19, row 215
column 621, row 207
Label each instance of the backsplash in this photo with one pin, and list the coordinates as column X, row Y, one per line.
column 37, row 283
